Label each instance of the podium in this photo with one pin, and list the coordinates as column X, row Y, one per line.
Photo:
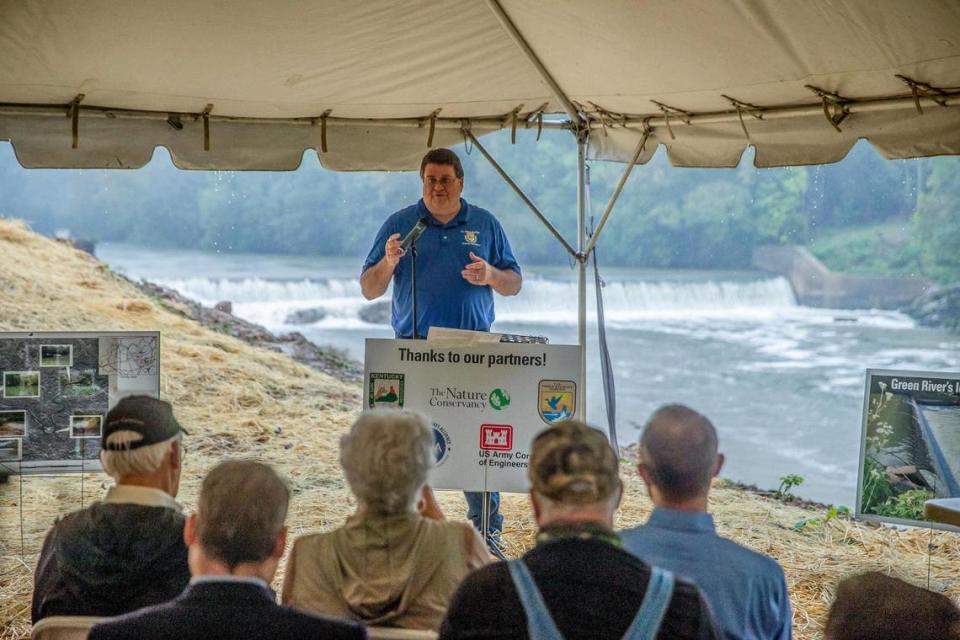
column 486, row 402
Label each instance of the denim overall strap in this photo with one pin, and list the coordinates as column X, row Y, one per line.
column 646, row 624
column 540, row 625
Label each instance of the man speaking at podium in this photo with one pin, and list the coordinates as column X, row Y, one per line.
column 463, row 256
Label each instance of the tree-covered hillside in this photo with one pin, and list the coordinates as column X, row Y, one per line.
column 667, row 217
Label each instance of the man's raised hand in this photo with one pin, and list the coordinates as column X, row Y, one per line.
column 392, row 251
column 478, row 272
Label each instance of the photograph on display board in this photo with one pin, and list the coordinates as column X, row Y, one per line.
column 86, row 426
column 11, row 450
column 21, row 384
column 77, row 384
column 56, row 355
column 13, row 424
column 910, row 448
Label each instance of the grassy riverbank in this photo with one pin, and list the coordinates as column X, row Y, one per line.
column 244, row 401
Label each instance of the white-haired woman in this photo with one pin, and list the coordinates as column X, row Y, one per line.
column 396, row 561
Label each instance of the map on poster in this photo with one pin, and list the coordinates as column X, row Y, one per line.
column 486, row 402
column 56, row 388
column 910, row 444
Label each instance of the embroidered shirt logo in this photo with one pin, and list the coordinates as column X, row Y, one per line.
column 470, row 237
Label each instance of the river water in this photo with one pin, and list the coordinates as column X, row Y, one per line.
column 783, row 383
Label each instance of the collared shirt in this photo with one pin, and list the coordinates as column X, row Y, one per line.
column 144, row 496
column 444, row 298
column 207, row 579
column 746, row 590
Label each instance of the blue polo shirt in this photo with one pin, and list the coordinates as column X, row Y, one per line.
column 444, row 298
column 745, row 589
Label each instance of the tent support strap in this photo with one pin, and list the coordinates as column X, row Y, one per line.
column 516, row 188
column 616, row 193
column 527, row 51
column 582, row 137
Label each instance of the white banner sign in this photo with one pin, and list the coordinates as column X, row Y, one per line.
column 486, row 402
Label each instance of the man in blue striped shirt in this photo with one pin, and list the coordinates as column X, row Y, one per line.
column 746, row 590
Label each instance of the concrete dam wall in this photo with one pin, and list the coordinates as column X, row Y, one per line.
column 816, row 286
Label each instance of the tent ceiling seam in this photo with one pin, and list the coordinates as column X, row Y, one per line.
column 532, row 119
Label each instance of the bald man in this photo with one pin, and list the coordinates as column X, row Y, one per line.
column 746, row 590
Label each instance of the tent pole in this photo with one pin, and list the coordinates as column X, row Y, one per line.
column 582, row 137
column 616, row 194
column 511, row 29
column 513, row 185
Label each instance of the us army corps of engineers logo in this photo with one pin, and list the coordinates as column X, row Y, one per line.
column 385, row 391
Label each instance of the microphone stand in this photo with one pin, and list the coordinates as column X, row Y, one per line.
column 413, row 286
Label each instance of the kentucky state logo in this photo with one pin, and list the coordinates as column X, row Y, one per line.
column 558, row 400
column 470, row 237
column 385, row 391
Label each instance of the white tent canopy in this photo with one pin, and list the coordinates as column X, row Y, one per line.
column 248, row 84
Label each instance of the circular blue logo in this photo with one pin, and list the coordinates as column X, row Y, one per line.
column 441, row 443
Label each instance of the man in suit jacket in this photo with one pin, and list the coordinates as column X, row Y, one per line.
column 235, row 540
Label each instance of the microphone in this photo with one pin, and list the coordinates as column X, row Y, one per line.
column 413, row 235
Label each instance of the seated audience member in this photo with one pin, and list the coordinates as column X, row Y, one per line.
column 873, row 606
column 235, row 538
column 577, row 582
column 746, row 590
column 396, row 561
column 126, row 552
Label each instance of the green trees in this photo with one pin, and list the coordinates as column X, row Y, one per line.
column 938, row 220
column 666, row 217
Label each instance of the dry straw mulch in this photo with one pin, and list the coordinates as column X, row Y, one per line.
column 241, row 401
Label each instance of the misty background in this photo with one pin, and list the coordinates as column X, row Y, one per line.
column 865, row 214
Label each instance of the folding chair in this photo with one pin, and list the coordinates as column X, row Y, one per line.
column 395, row 633
column 63, row 628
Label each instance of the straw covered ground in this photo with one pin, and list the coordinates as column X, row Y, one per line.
column 243, row 401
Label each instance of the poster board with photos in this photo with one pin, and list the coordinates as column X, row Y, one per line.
column 486, row 402
column 56, row 388
column 909, row 446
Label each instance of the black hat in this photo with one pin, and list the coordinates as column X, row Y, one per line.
column 150, row 417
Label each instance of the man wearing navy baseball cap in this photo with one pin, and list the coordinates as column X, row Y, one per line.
column 127, row 551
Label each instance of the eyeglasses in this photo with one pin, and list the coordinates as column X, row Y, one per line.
column 445, row 181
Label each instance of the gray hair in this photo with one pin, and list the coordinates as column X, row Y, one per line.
column 240, row 512
column 142, row 461
column 386, row 457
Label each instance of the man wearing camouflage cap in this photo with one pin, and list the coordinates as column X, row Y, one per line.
column 127, row 551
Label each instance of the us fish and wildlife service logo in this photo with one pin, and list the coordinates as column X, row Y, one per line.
column 558, row 400
column 385, row 391
column 442, row 443
column 471, row 237
column 499, row 399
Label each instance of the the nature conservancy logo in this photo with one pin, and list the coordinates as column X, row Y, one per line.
column 452, row 397
column 499, row 399
column 442, row 443
column 557, row 400
column 385, row 391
